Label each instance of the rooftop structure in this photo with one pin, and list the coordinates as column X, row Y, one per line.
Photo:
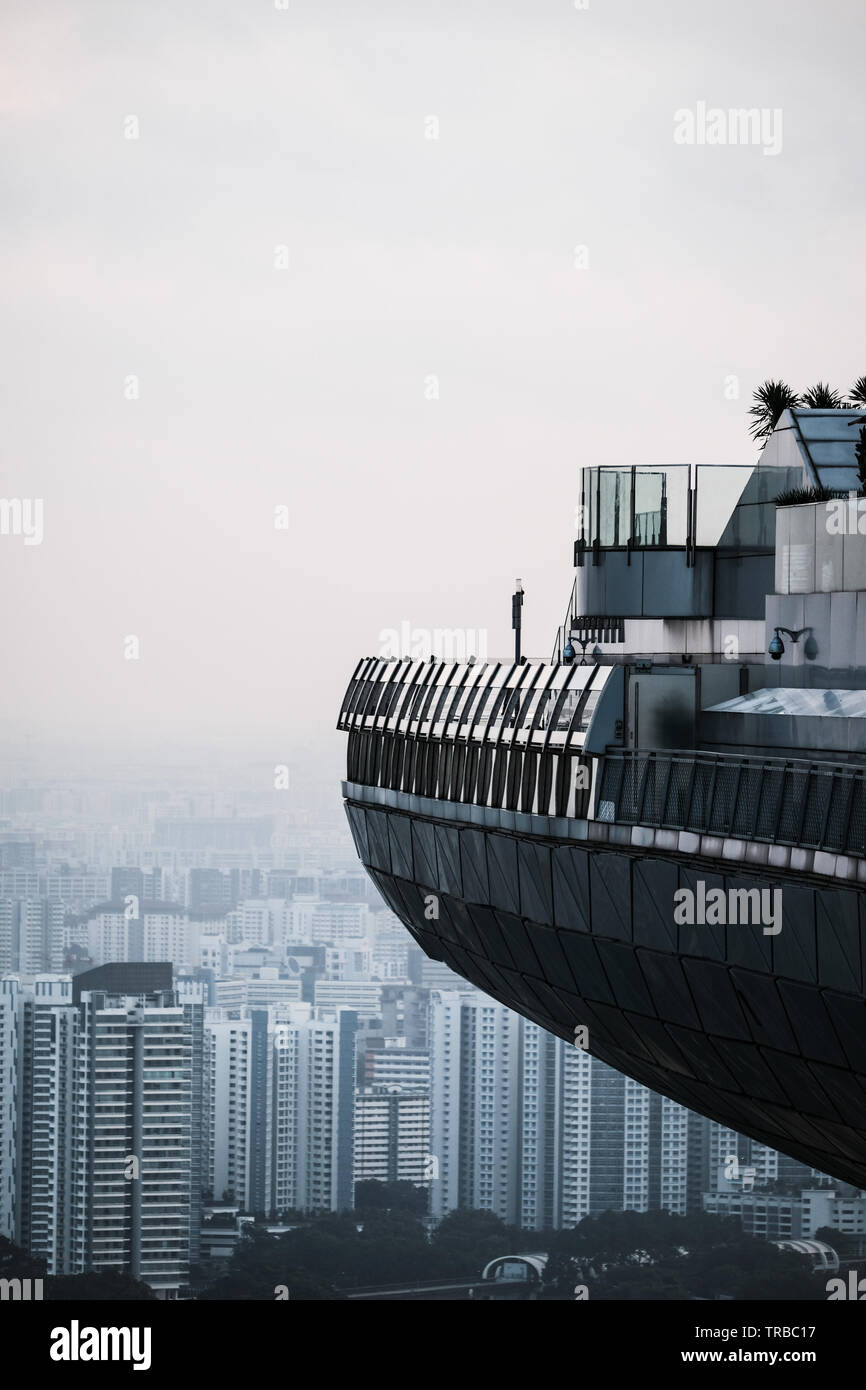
column 654, row 844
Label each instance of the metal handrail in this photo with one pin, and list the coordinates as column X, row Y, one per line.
column 486, row 703
column 813, row 803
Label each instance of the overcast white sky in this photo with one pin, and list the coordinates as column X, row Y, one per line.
column 408, row 257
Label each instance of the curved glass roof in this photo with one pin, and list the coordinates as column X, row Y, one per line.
column 829, row 438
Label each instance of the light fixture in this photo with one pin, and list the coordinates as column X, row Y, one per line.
column 584, row 643
column 776, row 648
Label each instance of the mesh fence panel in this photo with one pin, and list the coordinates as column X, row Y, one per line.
column 745, row 816
column 794, row 791
column 677, row 802
column 819, row 789
column 698, row 812
column 813, row 806
column 855, row 841
column 629, row 795
column 772, row 786
column 836, row 829
column 724, row 791
column 610, row 777
column 653, row 802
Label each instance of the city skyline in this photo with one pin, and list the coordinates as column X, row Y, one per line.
column 284, row 963
column 433, row 726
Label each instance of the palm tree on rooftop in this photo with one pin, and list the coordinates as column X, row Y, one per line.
column 771, row 399
column 822, row 397
column 857, row 394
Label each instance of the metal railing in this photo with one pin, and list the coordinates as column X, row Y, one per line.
column 815, row 805
column 600, row 628
column 493, row 734
column 498, row 702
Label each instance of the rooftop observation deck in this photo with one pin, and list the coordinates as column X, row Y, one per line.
column 688, row 506
column 541, row 740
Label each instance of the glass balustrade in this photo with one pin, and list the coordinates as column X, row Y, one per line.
column 640, row 508
column 652, row 507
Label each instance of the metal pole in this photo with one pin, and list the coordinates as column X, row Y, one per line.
column 516, row 606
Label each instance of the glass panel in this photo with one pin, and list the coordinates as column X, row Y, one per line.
column 650, row 508
column 839, row 479
column 661, row 505
column 607, row 511
column 719, row 488
column 615, row 512
column 590, row 479
column 766, row 483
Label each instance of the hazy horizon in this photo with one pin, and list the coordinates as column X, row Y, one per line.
column 407, row 258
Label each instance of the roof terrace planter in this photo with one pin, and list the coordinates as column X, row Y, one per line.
column 798, row 496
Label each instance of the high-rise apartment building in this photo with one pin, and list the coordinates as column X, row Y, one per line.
column 10, row 1167
column 107, row 1091
column 142, row 930
column 392, row 1061
column 280, row 1105
column 31, row 935
column 392, row 1134
column 536, row 1130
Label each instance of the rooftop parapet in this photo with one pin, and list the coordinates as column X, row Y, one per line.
column 675, row 506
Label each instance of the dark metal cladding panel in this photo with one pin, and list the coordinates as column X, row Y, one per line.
column 811, row 1022
column 502, row 867
column 518, row 941
column 400, row 835
column 424, row 852
column 536, row 887
column 464, row 924
column 704, row 939
column 764, row 1034
column 672, row 1000
column 358, row 826
column 760, row 1001
column 610, row 888
column 622, row 969
column 377, row 836
column 448, row 860
column 586, row 968
column 473, row 864
column 655, row 882
column 837, row 936
column 715, row 999
column 794, row 953
column 491, row 936
column 571, row 906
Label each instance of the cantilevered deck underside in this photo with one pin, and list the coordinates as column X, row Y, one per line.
column 764, row 1033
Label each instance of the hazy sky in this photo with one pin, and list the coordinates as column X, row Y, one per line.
column 409, row 258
